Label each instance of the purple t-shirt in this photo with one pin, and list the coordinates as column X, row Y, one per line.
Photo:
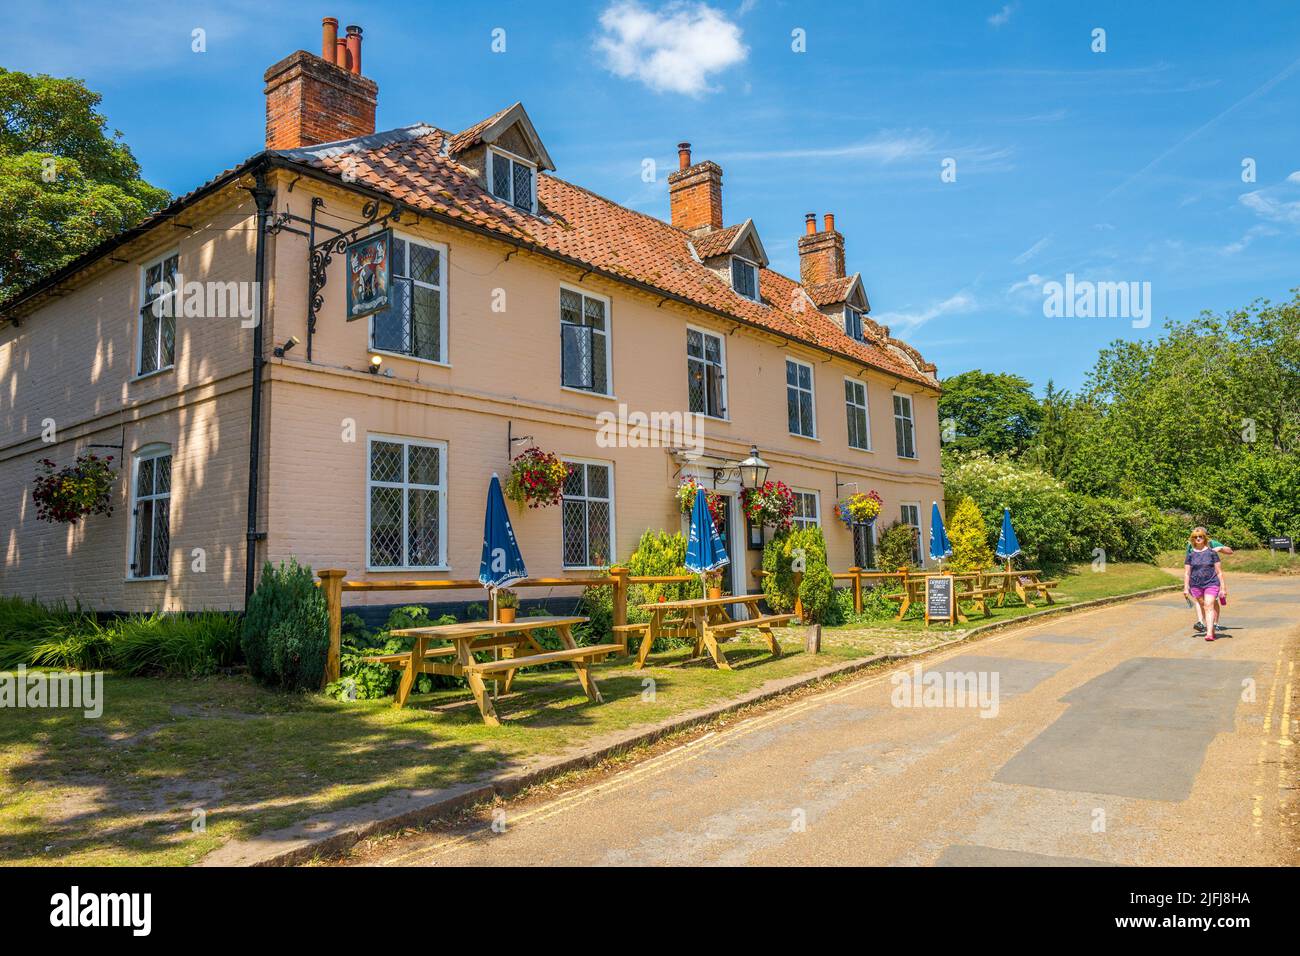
column 1202, row 564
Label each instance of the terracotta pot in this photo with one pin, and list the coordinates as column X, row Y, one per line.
column 506, row 615
column 715, row 593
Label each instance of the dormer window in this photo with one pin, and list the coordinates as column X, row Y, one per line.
column 853, row 323
column 744, row 278
column 512, row 180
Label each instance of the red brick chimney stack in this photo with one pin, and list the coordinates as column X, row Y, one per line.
column 320, row 99
column 821, row 254
column 695, row 193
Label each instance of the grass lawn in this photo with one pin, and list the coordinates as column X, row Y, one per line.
column 1255, row 561
column 122, row 789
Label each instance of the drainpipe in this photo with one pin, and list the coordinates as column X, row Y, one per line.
column 263, row 195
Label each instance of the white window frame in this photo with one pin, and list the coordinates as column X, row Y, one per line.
column 137, row 372
column 148, row 452
column 910, row 418
column 609, row 341
column 812, row 395
column 866, row 411
column 857, row 314
column 613, row 513
column 492, row 153
column 443, row 274
column 804, row 521
column 722, row 353
column 405, row 484
column 758, row 292
column 920, row 531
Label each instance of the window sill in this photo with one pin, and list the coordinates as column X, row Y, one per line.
column 805, row 437
column 856, row 448
column 585, row 567
column 414, row 567
column 154, row 374
column 584, row 391
column 129, row 579
column 410, row 358
column 909, row 458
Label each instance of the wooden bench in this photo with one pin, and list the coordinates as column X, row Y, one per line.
column 624, row 631
column 588, row 654
column 717, row 633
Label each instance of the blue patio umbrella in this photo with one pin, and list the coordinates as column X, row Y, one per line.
column 940, row 546
column 705, row 551
column 1008, row 546
column 502, row 564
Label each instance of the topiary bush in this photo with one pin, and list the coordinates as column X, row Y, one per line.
column 817, row 588
column 969, row 538
column 896, row 547
column 285, row 637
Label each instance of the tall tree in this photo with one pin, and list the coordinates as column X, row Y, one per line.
column 992, row 411
column 66, row 183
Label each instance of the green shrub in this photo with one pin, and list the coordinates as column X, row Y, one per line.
column 174, row 645
column 658, row 553
column 875, row 607
column 286, row 628
column 817, row 588
column 896, row 547
column 969, row 538
column 363, row 680
column 25, row 624
column 77, row 643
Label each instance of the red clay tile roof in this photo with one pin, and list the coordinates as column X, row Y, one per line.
column 716, row 243
column 411, row 166
column 832, row 292
column 466, row 138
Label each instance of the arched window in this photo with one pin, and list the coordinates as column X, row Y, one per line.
column 151, row 491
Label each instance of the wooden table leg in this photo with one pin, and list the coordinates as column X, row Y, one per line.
column 581, row 667
column 715, row 651
column 476, row 684
column 514, row 652
column 648, row 638
column 408, row 675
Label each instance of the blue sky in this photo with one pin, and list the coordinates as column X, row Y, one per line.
column 1123, row 165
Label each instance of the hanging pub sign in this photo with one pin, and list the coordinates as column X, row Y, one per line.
column 370, row 274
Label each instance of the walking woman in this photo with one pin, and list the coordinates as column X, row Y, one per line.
column 1203, row 578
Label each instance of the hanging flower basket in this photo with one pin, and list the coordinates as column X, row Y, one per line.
column 771, row 505
column 862, row 508
column 686, row 499
column 536, row 479
column 74, row 491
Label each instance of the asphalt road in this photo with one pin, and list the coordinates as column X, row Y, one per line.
column 1113, row 737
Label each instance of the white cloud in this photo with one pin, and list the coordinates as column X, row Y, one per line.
column 1250, row 235
column 1001, row 17
column 907, row 321
column 672, row 50
column 1032, row 282
column 1280, row 203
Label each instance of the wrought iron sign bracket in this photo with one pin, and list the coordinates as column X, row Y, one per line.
column 321, row 254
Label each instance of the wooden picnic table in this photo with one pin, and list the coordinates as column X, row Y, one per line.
column 707, row 620
column 1023, row 584
column 967, row 587
column 516, row 640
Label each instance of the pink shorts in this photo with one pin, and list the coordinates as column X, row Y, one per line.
column 1198, row 593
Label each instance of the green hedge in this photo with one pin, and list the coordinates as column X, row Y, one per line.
column 817, row 589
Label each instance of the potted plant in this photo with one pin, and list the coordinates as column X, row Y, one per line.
column 74, row 491
column 861, row 508
column 686, row 499
column 714, row 581
column 772, row 505
column 507, row 606
column 536, row 479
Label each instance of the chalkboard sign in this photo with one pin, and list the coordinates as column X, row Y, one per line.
column 939, row 604
column 1281, row 544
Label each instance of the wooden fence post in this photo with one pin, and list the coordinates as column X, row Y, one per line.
column 619, row 576
column 857, row 588
column 332, row 585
